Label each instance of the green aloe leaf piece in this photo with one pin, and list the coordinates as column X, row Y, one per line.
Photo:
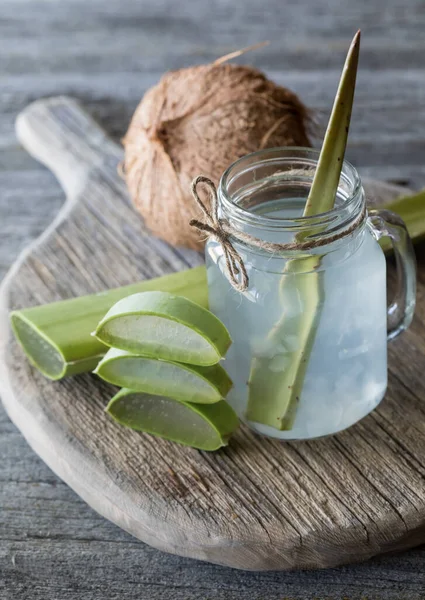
column 202, row 426
column 412, row 210
column 274, row 393
column 165, row 326
column 57, row 338
column 184, row 382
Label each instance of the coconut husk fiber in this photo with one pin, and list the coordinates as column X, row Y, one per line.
column 200, row 120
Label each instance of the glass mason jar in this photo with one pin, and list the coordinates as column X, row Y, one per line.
column 309, row 352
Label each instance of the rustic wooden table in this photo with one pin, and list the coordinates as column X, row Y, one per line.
column 52, row 546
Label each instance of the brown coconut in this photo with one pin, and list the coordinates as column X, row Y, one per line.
column 199, row 120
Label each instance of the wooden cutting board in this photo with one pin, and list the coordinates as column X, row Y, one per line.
column 257, row 504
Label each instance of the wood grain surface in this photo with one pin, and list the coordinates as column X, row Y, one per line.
column 51, row 545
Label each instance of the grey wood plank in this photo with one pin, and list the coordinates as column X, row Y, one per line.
column 55, row 560
column 54, row 546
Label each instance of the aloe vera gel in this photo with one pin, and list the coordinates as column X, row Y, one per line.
column 315, row 319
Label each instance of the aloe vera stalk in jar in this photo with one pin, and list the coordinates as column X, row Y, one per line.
column 274, row 394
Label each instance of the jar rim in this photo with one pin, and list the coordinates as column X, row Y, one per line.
column 349, row 209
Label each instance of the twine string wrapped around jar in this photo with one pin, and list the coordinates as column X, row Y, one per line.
column 222, row 231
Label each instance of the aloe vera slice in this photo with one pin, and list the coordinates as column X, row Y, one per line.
column 274, row 394
column 202, row 426
column 191, row 383
column 57, row 338
column 162, row 325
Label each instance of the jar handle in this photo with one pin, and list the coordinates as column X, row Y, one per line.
column 385, row 223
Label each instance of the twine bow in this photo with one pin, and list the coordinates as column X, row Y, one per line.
column 222, row 231
column 216, row 228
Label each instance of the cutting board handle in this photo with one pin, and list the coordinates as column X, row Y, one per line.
column 59, row 133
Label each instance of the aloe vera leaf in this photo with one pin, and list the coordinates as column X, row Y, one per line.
column 165, row 326
column 412, row 210
column 202, row 426
column 191, row 383
column 274, row 393
column 323, row 190
column 57, row 338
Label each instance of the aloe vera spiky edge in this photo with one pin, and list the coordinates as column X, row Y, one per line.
column 273, row 396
